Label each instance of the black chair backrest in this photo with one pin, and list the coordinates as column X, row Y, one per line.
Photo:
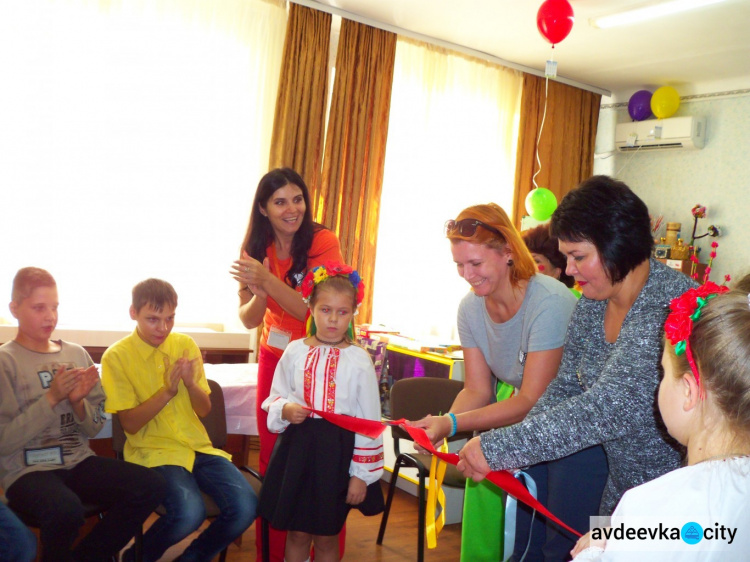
column 416, row 397
column 215, row 422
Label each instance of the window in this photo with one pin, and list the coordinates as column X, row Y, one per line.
column 451, row 144
column 132, row 137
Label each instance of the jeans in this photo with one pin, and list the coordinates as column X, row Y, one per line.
column 185, row 510
column 571, row 488
column 17, row 542
column 128, row 493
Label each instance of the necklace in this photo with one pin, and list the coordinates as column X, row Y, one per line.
column 331, row 343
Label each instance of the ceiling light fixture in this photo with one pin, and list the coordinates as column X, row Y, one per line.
column 649, row 12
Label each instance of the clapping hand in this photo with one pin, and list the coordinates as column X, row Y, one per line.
column 182, row 370
column 63, row 382
column 172, row 376
column 84, row 383
column 252, row 273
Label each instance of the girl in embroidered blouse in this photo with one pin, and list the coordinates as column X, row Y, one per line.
column 317, row 470
column 704, row 400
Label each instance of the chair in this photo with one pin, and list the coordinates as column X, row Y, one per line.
column 216, row 427
column 413, row 399
column 89, row 511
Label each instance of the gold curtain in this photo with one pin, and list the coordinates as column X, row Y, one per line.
column 566, row 147
column 349, row 196
column 299, row 121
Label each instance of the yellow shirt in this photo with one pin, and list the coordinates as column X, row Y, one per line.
column 132, row 372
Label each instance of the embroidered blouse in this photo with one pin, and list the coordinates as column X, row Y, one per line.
column 330, row 379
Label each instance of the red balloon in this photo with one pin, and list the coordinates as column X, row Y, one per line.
column 555, row 20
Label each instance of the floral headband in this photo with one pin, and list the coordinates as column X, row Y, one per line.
column 331, row 269
column 685, row 310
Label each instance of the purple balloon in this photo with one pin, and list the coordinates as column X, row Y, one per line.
column 639, row 105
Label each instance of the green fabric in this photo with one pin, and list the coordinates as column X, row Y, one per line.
column 483, row 523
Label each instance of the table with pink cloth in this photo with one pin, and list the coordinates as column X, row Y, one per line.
column 238, row 382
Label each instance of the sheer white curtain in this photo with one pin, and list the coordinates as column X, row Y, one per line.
column 452, row 139
column 132, row 137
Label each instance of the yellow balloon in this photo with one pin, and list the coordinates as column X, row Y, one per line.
column 664, row 102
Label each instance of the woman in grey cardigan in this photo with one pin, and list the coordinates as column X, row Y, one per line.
column 605, row 387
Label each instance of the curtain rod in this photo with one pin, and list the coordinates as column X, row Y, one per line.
column 445, row 44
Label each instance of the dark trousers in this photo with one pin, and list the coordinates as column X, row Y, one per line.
column 55, row 498
column 571, row 488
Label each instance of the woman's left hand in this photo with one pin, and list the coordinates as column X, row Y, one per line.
column 472, row 462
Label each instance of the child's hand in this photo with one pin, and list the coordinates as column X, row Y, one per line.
column 172, row 376
column 84, row 383
column 294, row 413
column 586, row 542
column 62, row 384
column 188, row 372
column 355, row 495
column 186, row 368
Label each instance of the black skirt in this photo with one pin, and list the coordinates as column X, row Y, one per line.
column 307, row 479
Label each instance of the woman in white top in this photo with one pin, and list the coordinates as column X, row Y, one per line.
column 700, row 512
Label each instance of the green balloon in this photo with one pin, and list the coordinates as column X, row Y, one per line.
column 541, row 203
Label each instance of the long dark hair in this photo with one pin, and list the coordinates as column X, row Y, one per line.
column 259, row 233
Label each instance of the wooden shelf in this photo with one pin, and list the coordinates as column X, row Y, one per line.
column 685, row 266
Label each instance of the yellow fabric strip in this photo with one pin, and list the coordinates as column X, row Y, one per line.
column 435, row 499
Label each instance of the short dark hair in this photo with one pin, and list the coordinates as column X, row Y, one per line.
column 27, row 279
column 155, row 292
column 606, row 213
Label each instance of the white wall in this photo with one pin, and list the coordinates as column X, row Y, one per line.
column 671, row 183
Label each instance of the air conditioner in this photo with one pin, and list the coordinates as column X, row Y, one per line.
column 675, row 133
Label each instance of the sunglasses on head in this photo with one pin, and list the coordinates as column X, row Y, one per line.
column 468, row 227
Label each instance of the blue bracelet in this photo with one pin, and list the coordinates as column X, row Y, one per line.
column 454, row 424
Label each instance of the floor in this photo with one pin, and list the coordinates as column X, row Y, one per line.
column 399, row 543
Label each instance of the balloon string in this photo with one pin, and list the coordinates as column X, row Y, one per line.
column 541, row 128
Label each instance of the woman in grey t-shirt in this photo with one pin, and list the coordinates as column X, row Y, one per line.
column 604, row 391
column 512, row 328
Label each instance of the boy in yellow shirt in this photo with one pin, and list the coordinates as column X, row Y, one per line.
column 155, row 382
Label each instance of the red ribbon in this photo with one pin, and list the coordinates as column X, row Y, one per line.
column 501, row 478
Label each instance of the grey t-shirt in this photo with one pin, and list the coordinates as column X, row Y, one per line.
column 539, row 324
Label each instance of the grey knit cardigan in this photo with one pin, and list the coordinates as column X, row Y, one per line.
column 604, row 393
